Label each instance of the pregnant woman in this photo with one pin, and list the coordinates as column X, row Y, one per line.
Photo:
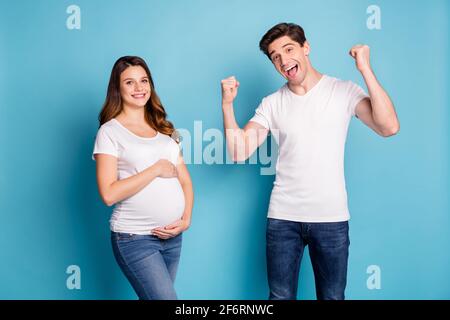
column 140, row 170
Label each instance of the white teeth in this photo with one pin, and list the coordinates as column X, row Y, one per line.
column 286, row 70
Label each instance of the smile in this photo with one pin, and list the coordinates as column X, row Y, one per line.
column 291, row 71
column 139, row 95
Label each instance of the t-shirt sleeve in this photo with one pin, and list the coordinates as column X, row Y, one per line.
column 262, row 114
column 356, row 94
column 175, row 153
column 171, row 151
column 104, row 143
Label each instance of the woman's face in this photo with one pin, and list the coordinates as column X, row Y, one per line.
column 134, row 87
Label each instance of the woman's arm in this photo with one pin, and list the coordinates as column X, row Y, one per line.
column 188, row 190
column 113, row 190
column 182, row 224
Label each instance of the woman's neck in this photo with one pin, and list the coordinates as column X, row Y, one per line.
column 132, row 115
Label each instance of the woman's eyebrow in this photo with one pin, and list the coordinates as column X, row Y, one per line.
column 144, row 77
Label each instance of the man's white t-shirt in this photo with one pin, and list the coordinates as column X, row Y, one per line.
column 158, row 204
column 310, row 131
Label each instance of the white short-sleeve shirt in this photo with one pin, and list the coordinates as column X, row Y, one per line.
column 158, row 204
column 310, row 131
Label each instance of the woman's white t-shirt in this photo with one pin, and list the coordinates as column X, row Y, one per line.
column 158, row 204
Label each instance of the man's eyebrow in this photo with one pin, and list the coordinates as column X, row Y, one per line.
column 287, row 44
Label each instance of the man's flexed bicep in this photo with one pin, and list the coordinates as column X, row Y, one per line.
column 241, row 143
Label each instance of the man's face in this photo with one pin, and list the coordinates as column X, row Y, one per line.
column 289, row 58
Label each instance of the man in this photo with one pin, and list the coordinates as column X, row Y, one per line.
column 309, row 117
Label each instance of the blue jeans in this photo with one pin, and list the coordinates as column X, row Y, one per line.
column 149, row 263
column 328, row 249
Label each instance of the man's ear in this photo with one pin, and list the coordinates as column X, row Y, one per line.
column 306, row 48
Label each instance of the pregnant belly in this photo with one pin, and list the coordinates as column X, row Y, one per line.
column 158, row 204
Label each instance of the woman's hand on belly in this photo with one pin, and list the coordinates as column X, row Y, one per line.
column 166, row 169
column 171, row 230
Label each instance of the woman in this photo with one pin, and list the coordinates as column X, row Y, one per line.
column 140, row 170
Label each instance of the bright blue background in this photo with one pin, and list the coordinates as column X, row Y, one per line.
column 53, row 82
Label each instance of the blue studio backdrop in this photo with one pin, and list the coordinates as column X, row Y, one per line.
column 55, row 61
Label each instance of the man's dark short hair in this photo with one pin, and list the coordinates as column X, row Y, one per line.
column 292, row 30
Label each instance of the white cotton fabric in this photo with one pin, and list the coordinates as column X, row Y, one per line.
column 310, row 131
column 158, row 204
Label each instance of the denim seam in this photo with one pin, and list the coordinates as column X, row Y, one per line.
column 132, row 271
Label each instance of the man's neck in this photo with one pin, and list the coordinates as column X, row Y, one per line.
column 312, row 78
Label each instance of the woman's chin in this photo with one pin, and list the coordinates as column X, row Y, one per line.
column 137, row 105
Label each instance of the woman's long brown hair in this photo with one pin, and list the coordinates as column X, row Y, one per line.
column 155, row 114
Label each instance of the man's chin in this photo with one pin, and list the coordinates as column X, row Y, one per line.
column 294, row 82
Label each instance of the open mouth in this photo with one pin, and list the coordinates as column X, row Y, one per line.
column 291, row 71
column 139, row 95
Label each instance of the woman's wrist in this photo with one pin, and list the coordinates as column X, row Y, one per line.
column 156, row 168
column 186, row 223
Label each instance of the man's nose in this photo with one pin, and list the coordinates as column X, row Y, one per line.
column 283, row 61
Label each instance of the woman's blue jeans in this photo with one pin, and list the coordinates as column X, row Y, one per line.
column 149, row 263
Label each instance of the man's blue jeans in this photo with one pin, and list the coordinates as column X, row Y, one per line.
column 149, row 263
column 328, row 249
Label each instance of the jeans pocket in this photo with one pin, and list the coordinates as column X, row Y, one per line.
column 120, row 236
column 330, row 235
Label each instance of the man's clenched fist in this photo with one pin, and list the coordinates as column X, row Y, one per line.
column 361, row 54
column 229, row 89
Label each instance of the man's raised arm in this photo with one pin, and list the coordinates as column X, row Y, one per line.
column 241, row 143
